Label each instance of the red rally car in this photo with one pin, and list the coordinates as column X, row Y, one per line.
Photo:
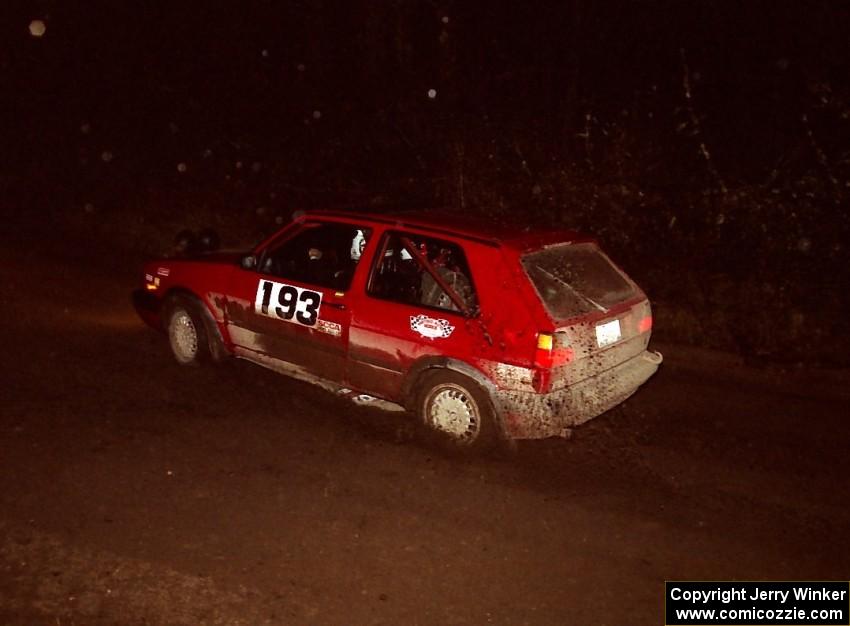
column 484, row 332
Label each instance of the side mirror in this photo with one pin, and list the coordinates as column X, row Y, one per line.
column 248, row 262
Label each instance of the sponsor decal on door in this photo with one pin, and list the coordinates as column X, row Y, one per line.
column 430, row 327
column 331, row 328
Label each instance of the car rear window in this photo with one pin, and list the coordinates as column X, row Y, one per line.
column 574, row 279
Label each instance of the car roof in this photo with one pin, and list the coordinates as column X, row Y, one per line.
column 494, row 232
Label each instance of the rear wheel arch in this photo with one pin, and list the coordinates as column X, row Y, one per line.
column 425, row 368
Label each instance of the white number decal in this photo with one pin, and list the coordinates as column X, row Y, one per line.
column 288, row 302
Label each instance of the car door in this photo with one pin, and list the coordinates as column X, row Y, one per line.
column 291, row 309
column 419, row 301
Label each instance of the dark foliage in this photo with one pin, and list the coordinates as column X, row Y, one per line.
column 705, row 143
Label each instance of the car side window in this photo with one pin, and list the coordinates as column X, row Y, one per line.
column 322, row 254
column 418, row 270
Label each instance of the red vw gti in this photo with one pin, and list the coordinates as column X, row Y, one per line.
column 484, row 332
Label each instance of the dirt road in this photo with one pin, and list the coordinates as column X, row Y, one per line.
column 134, row 491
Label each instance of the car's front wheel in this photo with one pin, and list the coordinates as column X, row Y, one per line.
column 457, row 410
column 187, row 334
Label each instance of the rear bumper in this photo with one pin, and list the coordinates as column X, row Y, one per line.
column 147, row 305
column 535, row 416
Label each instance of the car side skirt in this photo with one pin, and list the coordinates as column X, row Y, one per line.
column 299, row 373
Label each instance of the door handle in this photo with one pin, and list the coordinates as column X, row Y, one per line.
column 336, row 305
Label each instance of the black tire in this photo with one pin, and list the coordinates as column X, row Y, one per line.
column 187, row 331
column 456, row 411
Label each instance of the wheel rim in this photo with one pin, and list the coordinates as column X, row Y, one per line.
column 183, row 336
column 451, row 409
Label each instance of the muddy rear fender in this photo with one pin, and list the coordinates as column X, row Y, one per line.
column 420, row 367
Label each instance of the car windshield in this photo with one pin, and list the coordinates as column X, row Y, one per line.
column 574, row 279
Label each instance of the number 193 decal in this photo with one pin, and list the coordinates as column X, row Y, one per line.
column 288, row 302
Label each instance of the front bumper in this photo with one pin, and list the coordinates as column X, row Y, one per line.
column 529, row 415
column 148, row 306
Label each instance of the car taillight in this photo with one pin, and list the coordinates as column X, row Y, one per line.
column 645, row 324
column 547, row 356
column 550, row 355
column 543, row 355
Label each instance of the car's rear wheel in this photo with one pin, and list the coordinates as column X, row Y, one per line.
column 187, row 334
column 456, row 410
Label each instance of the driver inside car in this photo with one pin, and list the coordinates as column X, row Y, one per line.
column 433, row 294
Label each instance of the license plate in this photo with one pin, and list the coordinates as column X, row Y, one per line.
column 608, row 333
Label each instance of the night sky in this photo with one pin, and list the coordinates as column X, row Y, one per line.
column 258, row 73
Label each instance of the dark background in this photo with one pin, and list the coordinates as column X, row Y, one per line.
column 704, row 143
column 136, row 491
